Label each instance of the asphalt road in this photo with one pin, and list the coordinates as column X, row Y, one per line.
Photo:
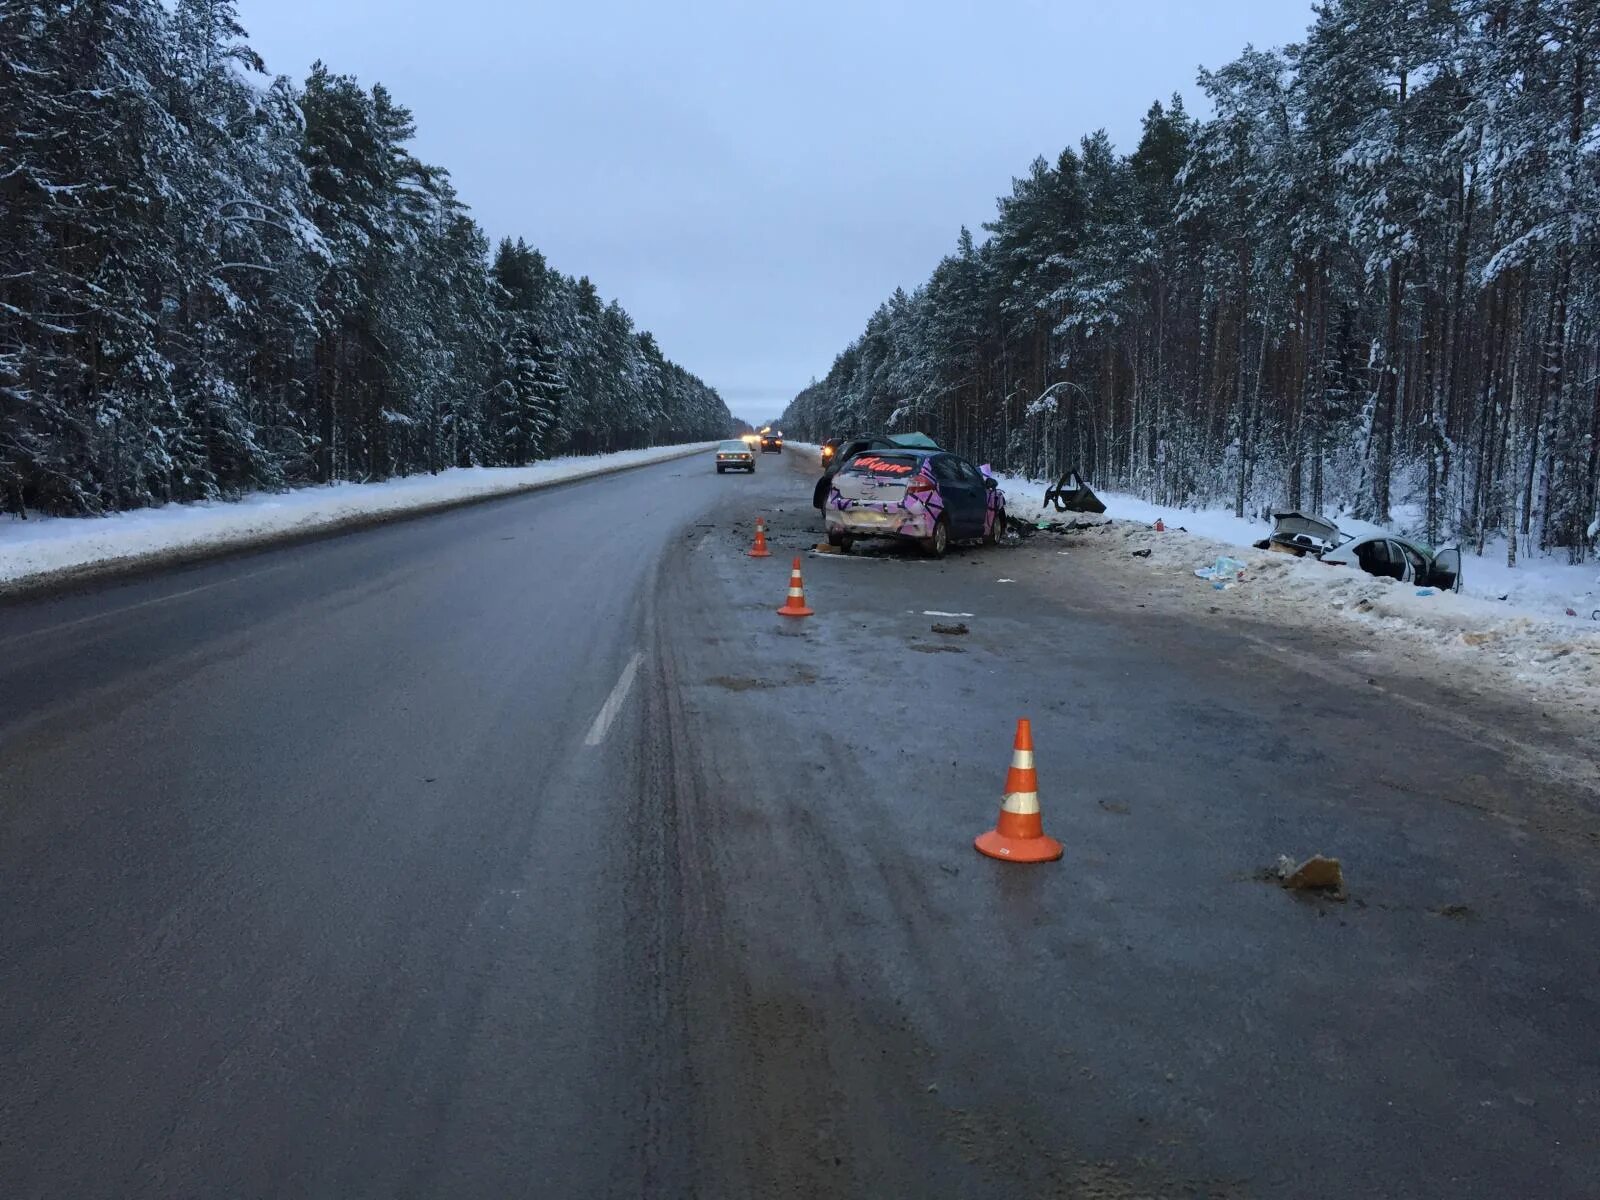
column 523, row 851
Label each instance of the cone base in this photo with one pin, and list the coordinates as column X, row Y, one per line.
column 760, row 553
column 1009, row 849
column 795, row 612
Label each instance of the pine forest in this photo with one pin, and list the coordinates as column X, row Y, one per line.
column 1368, row 282
column 213, row 280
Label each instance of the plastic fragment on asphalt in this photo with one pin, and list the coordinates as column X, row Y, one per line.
column 933, row 612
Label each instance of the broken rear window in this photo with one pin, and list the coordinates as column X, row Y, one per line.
column 888, row 466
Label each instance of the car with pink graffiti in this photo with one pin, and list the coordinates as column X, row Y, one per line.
column 929, row 497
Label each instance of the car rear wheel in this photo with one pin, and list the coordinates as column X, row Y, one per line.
column 841, row 540
column 936, row 545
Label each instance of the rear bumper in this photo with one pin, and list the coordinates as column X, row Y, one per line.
column 869, row 521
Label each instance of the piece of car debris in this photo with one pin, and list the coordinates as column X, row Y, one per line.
column 825, row 548
column 958, row 628
column 1145, row 553
column 1315, row 874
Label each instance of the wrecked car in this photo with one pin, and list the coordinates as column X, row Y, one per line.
column 1400, row 558
column 1383, row 554
column 838, row 451
column 927, row 497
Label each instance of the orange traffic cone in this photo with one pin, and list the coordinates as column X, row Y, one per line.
column 759, row 550
column 1019, row 834
column 795, row 605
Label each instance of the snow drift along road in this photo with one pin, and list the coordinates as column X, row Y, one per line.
column 47, row 550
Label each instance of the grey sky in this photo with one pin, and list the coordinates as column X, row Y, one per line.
column 751, row 180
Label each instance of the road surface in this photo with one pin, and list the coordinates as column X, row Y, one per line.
column 523, row 851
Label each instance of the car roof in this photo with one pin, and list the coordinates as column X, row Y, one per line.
column 913, row 451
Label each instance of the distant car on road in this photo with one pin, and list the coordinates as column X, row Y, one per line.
column 772, row 442
column 734, row 455
column 927, row 497
column 838, row 451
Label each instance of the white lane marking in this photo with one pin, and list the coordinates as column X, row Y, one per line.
column 117, row 612
column 933, row 612
column 613, row 705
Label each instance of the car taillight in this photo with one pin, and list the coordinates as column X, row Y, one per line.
column 920, row 486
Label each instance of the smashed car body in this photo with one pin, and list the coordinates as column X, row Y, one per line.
column 1386, row 555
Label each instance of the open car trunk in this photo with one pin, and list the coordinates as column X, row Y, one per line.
column 1302, row 533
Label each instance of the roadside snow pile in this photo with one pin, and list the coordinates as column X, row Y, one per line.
column 43, row 546
column 1526, row 638
column 1544, row 587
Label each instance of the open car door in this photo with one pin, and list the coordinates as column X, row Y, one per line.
column 1446, row 572
column 1072, row 494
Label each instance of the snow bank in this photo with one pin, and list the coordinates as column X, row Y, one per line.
column 1524, row 638
column 1540, row 585
column 47, row 547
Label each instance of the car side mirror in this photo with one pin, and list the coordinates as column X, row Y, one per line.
column 990, row 482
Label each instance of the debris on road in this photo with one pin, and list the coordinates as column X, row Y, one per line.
column 959, row 627
column 1225, row 569
column 933, row 612
column 826, row 548
column 1145, row 553
column 1315, row 874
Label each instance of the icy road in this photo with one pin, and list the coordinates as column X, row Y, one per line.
column 523, row 851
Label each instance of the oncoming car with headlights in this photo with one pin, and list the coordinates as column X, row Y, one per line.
column 927, row 497
column 735, row 455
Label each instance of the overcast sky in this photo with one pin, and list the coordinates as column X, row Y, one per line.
column 751, row 180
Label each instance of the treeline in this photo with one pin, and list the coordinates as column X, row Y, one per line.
column 212, row 280
column 1368, row 283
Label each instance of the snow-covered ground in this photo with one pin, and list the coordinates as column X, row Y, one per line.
column 1512, row 621
column 49, row 546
